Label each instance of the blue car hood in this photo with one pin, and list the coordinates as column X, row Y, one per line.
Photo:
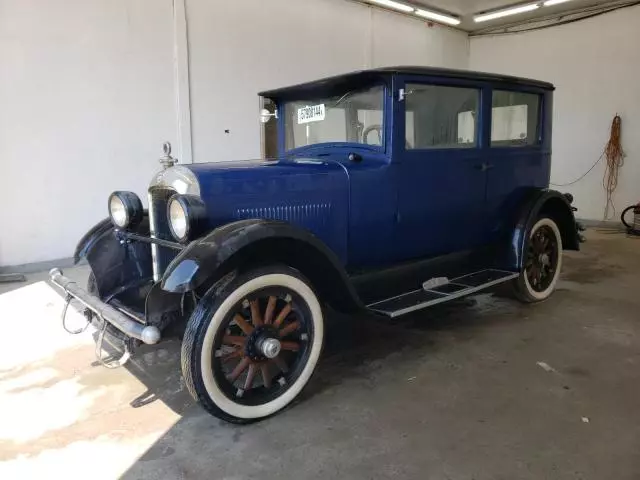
column 313, row 194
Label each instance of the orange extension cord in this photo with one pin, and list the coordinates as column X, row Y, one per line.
column 614, row 156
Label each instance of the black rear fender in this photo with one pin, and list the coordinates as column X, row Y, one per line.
column 249, row 244
column 547, row 203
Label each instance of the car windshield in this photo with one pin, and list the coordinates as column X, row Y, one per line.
column 353, row 116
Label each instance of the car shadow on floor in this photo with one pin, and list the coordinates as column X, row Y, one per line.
column 158, row 369
column 354, row 344
column 351, row 342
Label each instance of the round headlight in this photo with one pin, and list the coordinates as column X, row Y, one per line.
column 187, row 216
column 125, row 209
column 177, row 220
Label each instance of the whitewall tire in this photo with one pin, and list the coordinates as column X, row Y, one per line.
column 542, row 262
column 252, row 344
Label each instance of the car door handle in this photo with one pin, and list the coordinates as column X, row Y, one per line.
column 483, row 167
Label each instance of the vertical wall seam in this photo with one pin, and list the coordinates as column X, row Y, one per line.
column 182, row 85
column 370, row 47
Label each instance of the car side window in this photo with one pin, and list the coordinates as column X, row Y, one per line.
column 515, row 119
column 440, row 117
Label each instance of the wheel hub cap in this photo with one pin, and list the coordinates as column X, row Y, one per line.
column 263, row 344
column 270, row 347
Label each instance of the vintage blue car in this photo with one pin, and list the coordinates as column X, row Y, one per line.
column 394, row 189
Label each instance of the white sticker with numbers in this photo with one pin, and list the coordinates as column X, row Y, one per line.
column 311, row 113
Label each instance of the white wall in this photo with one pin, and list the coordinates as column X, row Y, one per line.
column 86, row 98
column 595, row 65
column 257, row 45
column 87, row 93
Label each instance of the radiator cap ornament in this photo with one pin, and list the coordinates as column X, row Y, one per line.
column 167, row 160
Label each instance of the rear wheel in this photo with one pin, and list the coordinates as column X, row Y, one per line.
column 252, row 344
column 542, row 262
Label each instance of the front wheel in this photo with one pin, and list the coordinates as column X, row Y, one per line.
column 542, row 263
column 252, row 344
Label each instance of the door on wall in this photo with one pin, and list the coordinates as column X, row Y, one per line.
column 442, row 180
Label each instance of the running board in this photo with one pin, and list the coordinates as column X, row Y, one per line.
column 439, row 290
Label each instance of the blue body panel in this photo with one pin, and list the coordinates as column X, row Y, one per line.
column 516, row 170
column 371, row 208
column 393, row 203
column 312, row 194
column 447, row 202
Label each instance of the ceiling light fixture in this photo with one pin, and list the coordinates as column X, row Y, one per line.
column 506, row 12
column 549, row 3
column 395, row 5
column 439, row 17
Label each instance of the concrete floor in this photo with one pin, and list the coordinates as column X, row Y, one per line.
column 484, row 388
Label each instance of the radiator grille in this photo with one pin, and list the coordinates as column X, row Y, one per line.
column 159, row 222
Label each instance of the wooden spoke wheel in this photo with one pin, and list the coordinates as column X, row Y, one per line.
column 249, row 351
column 542, row 262
column 542, row 258
column 265, row 342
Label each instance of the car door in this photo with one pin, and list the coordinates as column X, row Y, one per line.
column 519, row 151
column 441, row 172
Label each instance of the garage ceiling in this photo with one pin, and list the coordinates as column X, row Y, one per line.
column 466, row 9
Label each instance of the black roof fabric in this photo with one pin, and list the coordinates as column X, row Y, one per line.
column 363, row 77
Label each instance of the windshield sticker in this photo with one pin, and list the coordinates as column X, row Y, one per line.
column 312, row 113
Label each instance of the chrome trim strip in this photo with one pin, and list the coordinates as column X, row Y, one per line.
column 154, row 247
column 151, row 240
column 445, row 297
column 148, row 334
column 401, row 295
column 507, row 272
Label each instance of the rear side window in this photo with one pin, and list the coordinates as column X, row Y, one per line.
column 440, row 117
column 515, row 119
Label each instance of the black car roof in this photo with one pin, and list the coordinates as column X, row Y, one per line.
column 363, row 77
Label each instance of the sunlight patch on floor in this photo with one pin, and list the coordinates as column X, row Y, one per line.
column 99, row 458
column 32, row 331
column 59, row 411
column 36, row 411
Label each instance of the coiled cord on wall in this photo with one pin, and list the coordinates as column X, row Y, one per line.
column 615, row 159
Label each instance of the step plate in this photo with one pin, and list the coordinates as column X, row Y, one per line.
column 456, row 288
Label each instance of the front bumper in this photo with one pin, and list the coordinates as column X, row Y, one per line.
column 148, row 334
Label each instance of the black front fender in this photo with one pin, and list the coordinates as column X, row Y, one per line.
column 90, row 238
column 539, row 203
column 115, row 265
column 95, row 233
column 256, row 242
